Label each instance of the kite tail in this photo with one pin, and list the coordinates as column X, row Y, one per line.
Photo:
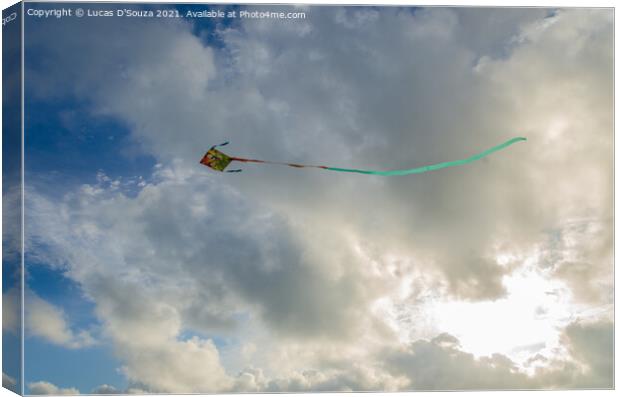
column 243, row 160
column 418, row 170
column 432, row 167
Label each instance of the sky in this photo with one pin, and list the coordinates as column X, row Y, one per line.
column 148, row 272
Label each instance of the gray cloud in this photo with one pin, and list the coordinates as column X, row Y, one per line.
column 590, row 346
column 407, row 118
column 579, row 254
column 439, row 364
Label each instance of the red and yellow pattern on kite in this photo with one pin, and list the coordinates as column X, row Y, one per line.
column 216, row 160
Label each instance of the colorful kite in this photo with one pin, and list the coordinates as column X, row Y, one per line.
column 219, row 161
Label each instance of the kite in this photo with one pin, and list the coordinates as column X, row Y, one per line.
column 218, row 161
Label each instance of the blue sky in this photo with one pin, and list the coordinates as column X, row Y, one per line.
column 147, row 271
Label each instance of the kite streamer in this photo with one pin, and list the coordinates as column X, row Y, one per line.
column 219, row 161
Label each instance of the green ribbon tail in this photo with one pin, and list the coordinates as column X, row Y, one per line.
column 433, row 167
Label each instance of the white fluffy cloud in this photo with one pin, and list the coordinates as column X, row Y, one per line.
column 107, row 389
column 43, row 387
column 299, row 268
column 44, row 320
column 209, row 287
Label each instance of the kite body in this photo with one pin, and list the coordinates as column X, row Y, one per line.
column 218, row 161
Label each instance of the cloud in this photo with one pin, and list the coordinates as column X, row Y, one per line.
column 8, row 381
column 337, row 119
column 11, row 233
column 591, row 344
column 145, row 310
column 356, row 377
column 49, row 322
column 580, row 257
column 43, row 387
column 147, row 341
column 590, row 365
column 439, row 364
column 302, row 264
column 350, row 112
column 108, row 389
column 105, row 389
column 11, row 310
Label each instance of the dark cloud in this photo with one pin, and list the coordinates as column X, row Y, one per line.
column 439, row 364
column 383, row 95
